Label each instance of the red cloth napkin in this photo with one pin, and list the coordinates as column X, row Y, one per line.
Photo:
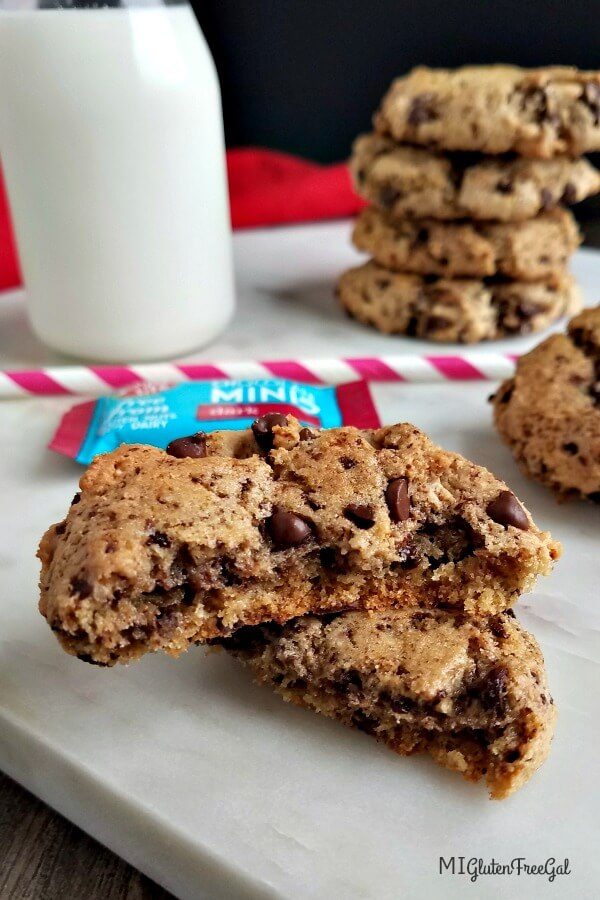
column 265, row 188
column 269, row 188
column 10, row 276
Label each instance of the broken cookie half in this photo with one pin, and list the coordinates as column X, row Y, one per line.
column 472, row 694
column 161, row 549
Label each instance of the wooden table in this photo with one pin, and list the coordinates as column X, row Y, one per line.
column 44, row 856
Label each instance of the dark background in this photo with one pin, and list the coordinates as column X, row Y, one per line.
column 306, row 75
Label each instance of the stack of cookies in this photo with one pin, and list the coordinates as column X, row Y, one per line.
column 469, row 174
column 367, row 575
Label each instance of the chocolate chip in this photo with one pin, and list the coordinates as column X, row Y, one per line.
column 571, row 447
column 497, row 627
column 346, row 462
column 412, row 326
column 506, row 394
column 363, row 516
column 493, row 689
column 328, row 557
column 189, row 595
column 397, row 499
column 579, row 338
column 591, row 97
column 512, row 756
column 81, row 586
column 75, row 499
column 182, row 564
column 86, row 658
column 365, row 723
column 388, row 196
column 422, row 235
column 594, row 496
column 535, row 99
column 60, row 528
column 286, row 529
column 505, row 186
column 509, row 613
column 506, row 510
column 160, row 539
column 192, row 446
column 306, row 434
column 569, row 194
column 262, row 429
column 402, row 704
column 436, row 323
column 349, row 682
column 546, row 199
column 421, row 110
column 248, row 639
column 228, row 572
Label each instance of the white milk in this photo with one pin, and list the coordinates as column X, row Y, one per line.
column 112, row 144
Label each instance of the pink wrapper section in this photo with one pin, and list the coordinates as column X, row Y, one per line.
column 72, row 430
column 356, row 405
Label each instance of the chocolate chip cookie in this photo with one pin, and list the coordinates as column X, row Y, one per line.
column 472, row 694
column 454, row 310
column 413, row 182
column 496, row 109
column 164, row 548
column 526, row 251
column 549, row 413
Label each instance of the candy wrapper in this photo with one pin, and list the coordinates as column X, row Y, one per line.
column 154, row 414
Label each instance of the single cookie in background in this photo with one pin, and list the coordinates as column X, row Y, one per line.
column 526, row 251
column 413, row 182
column 472, row 694
column 163, row 549
column 496, row 109
column 549, row 412
column 454, row 310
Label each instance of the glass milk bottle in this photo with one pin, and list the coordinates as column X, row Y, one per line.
column 111, row 140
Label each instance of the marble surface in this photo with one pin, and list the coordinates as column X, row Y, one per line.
column 215, row 788
column 286, row 308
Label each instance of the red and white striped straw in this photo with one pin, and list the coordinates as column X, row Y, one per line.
column 96, row 381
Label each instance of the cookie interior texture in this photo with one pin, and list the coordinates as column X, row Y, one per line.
column 549, row 412
column 158, row 552
column 471, row 694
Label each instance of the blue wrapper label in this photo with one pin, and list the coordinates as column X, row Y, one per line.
column 156, row 416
